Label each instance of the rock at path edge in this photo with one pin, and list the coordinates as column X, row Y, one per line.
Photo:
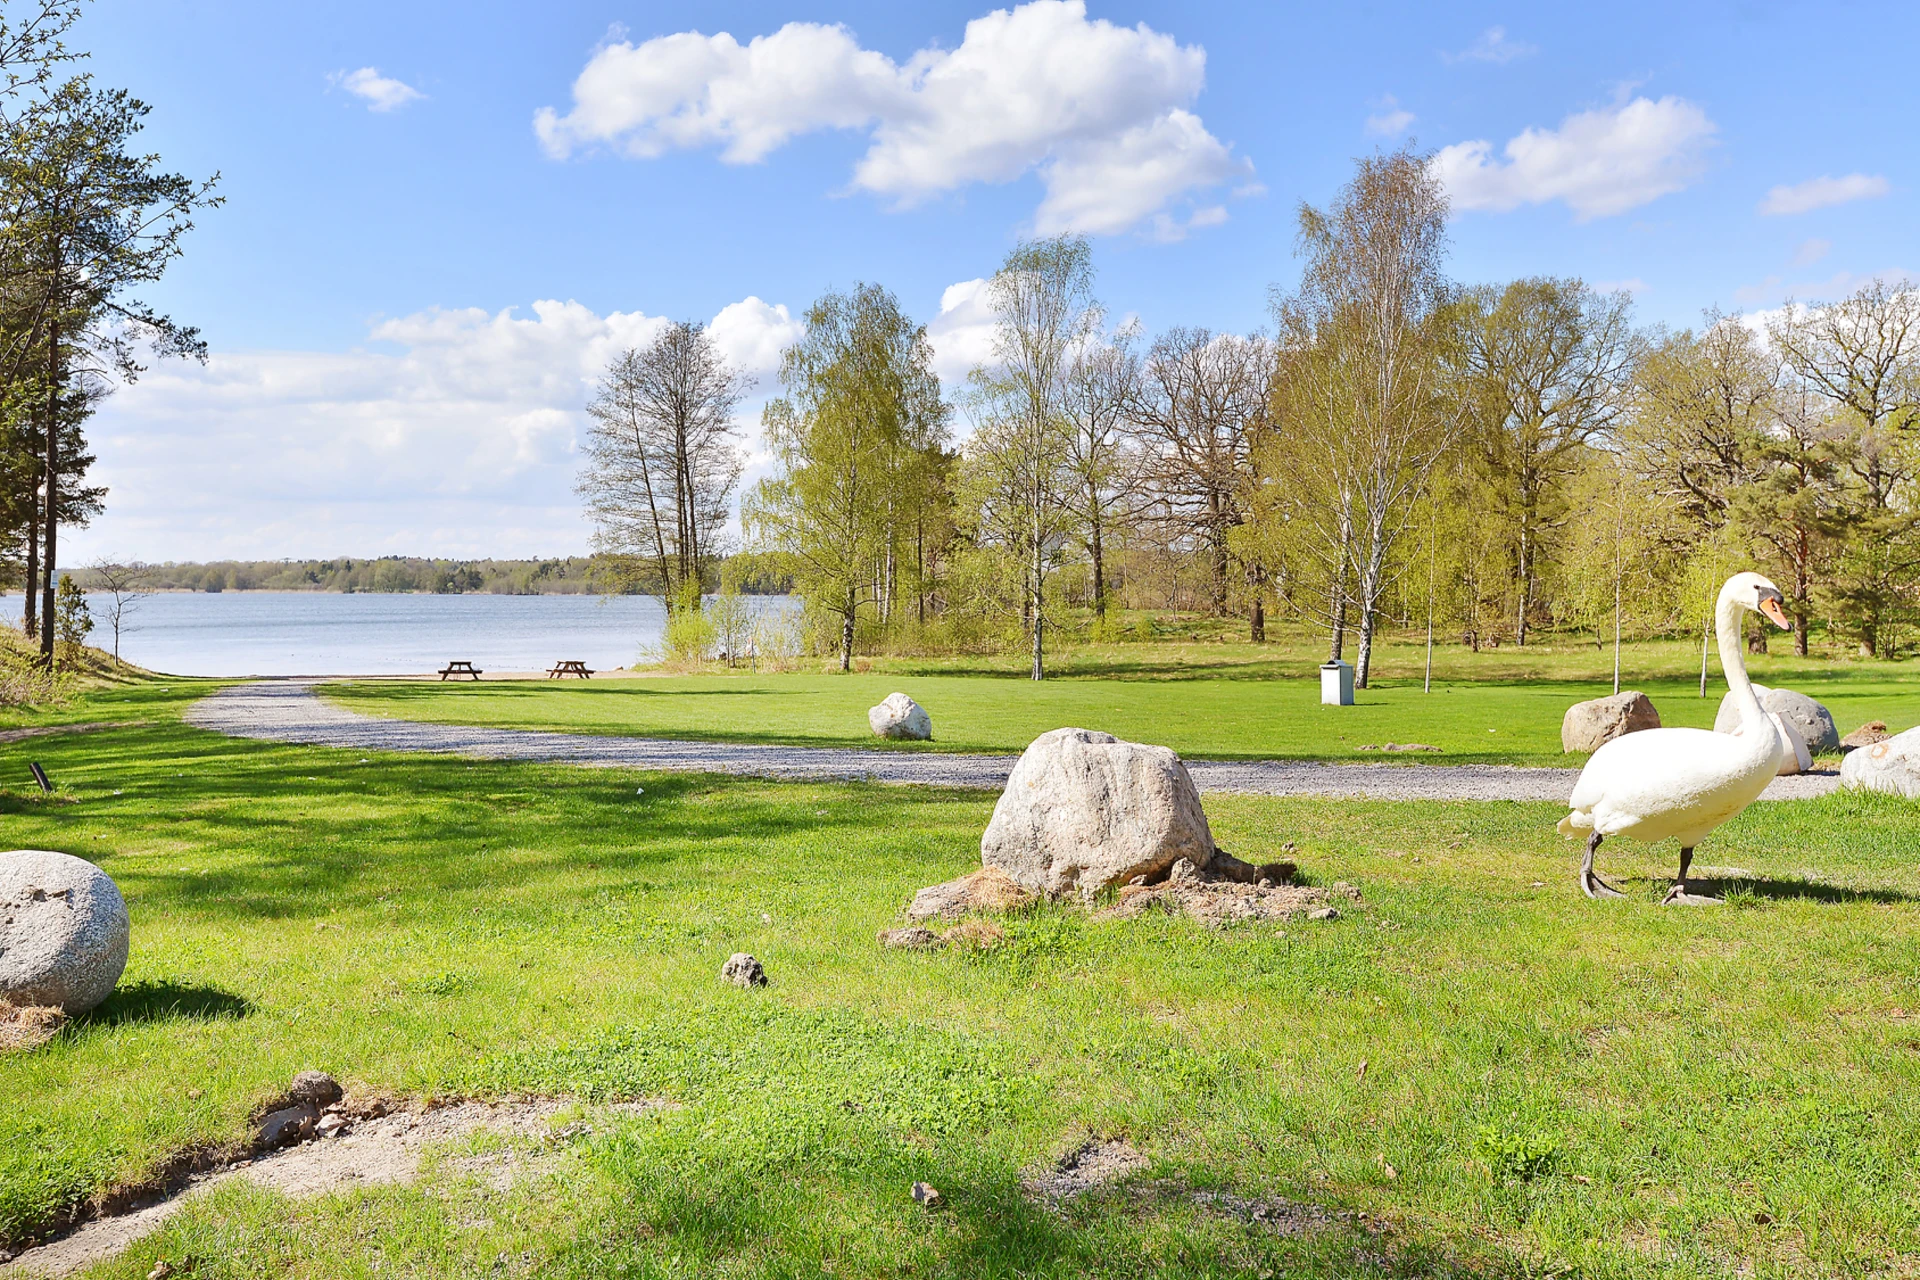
column 1812, row 720
column 1865, row 736
column 1892, row 766
column 1590, row 725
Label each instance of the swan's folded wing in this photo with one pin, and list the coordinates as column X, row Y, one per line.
column 1656, row 771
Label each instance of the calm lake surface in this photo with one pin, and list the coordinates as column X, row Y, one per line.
column 275, row 633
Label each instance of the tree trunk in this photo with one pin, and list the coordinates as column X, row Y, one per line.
column 1039, row 616
column 1337, row 605
column 1800, row 594
column 1257, row 623
column 846, row 632
column 30, row 622
column 1370, row 590
column 47, row 557
column 1099, row 568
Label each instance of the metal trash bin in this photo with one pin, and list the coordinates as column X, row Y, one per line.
column 1336, row 684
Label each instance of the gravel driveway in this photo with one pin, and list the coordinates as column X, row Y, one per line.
column 290, row 711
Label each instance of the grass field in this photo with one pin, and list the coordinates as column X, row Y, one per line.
column 1221, row 701
column 1558, row 1087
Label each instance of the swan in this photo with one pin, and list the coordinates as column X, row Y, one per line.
column 1684, row 782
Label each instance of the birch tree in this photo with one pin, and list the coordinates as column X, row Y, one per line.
column 1364, row 372
column 859, row 437
column 1043, row 310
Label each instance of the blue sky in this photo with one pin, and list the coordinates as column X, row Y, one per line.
column 414, row 279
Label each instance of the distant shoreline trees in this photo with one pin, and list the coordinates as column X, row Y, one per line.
column 1516, row 458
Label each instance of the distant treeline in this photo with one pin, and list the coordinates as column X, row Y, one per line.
column 566, row 575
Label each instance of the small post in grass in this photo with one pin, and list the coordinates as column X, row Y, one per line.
column 40, row 776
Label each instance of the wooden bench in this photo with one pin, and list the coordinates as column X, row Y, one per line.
column 458, row 668
column 569, row 667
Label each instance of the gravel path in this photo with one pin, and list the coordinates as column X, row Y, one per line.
column 290, row 711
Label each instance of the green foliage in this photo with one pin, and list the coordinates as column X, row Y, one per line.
column 73, row 621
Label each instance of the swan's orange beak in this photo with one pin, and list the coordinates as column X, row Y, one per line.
column 1775, row 614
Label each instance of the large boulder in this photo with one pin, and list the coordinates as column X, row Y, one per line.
column 899, row 716
column 1084, row 811
column 1588, row 726
column 63, row 931
column 1814, row 721
column 1892, row 766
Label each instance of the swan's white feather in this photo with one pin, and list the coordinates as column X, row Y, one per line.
column 1671, row 782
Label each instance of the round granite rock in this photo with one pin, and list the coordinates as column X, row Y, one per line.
column 63, row 931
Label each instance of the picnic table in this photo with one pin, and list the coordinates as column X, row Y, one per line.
column 458, row 667
column 568, row 667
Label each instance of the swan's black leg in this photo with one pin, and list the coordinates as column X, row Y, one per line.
column 1679, row 895
column 1590, row 882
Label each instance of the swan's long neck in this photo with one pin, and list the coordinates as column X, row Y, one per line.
column 1726, row 626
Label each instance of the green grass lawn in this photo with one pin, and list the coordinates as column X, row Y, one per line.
column 1560, row 1087
column 1204, row 701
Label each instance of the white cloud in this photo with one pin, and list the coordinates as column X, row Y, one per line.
column 1811, row 251
column 1492, row 46
column 1390, row 120
column 452, row 432
column 1098, row 112
column 381, row 93
column 1823, row 192
column 752, row 334
column 1632, row 284
column 1600, row 162
column 962, row 334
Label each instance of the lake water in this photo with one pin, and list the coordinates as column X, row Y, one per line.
column 274, row 633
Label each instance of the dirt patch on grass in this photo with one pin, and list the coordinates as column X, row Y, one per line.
column 1093, row 1164
column 28, row 1026
column 380, row 1143
column 1219, row 902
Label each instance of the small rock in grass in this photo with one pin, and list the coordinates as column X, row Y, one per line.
column 1324, row 913
column 288, row 1125
column 161, row 1270
column 742, row 970
column 317, row 1087
column 927, row 1194
column 912, row 938
column 1865, row 736
column 988, row 889
column 331, row 1125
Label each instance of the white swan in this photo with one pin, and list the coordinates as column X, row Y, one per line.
column 1684, row 782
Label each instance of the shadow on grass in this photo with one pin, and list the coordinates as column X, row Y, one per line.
column 1738, row 887
column 166, row 1001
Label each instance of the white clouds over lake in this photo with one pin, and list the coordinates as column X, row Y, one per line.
column 1099, row 113
column 452, row 432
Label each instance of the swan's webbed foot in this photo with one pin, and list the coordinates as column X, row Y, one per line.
column 1590, row 882
column 1594, row 887
column 1681, row 896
